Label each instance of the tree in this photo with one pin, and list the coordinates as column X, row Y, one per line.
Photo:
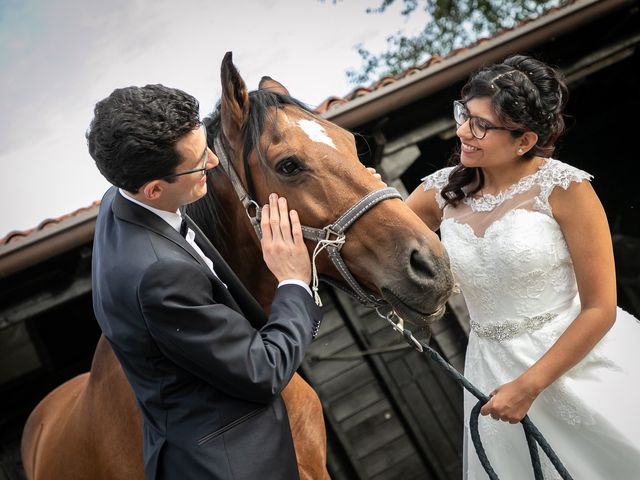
column 453, row 24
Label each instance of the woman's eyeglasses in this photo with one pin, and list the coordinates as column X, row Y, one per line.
column 478, row 126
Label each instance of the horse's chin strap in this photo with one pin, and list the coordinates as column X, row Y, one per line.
column 330, row 238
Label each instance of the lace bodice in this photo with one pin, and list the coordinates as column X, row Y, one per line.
column 508, row 253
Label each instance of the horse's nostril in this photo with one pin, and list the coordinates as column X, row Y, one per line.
column 420, row 265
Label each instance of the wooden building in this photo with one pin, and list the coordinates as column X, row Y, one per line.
column 389, row 415
column 407, row 422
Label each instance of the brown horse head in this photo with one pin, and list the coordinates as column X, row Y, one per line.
column 276, row 144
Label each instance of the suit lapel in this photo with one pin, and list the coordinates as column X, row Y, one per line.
column 249, row 305
column 133, row 213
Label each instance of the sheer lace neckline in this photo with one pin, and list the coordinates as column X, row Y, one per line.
column 488, row 201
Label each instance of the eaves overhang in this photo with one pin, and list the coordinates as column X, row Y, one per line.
column 461, row 63
column 48, row 242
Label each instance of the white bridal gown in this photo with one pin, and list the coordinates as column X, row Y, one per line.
column 513, row 266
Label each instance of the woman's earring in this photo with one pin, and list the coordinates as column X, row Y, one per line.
column 519, row 151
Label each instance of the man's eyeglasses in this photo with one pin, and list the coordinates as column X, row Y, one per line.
column 478, row 126
column 202, row 170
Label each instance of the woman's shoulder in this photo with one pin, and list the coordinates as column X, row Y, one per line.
column 555, row 173
column 559, row 174
column 437, row 180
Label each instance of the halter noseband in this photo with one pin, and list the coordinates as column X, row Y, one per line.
column 331, row 237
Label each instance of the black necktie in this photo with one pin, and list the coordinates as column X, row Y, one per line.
column 184, row 227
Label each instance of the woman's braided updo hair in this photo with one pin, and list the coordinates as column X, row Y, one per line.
column 526, row 95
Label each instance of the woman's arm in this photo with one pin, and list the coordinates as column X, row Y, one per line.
column 424, row 204
column 584, row 225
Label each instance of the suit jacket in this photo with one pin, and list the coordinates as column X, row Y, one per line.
column 205, row 363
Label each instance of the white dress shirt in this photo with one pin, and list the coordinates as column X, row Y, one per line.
column 175, row 220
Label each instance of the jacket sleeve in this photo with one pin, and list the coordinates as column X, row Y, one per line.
column 215, row 342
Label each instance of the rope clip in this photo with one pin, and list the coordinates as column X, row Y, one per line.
column 399, row 327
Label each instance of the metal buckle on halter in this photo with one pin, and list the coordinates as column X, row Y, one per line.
column 255, row 220
column 258, row 213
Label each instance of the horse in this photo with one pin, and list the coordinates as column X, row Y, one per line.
column 90, row 427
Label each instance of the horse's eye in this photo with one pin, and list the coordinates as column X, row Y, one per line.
column 289, row 167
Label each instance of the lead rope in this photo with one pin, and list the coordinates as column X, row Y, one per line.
column 321, row 245
column 532, row 434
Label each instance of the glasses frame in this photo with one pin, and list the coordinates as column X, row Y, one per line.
column 458, row 109
column 202, row 169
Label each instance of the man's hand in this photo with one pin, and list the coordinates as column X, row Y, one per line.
column 283, row 247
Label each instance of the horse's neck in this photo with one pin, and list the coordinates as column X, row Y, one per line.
column 241, row 250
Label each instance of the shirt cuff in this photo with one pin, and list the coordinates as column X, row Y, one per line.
column 296, row 282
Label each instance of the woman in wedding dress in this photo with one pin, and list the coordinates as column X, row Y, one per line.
column 531, row 251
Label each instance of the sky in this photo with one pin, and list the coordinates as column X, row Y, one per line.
column 59, row 57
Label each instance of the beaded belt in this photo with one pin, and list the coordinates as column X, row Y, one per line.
column 508, row 330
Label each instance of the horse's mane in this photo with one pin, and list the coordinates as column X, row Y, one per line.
column 207, row 212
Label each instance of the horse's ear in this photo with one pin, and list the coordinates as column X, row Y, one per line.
column 268, row 83
column 234, row 103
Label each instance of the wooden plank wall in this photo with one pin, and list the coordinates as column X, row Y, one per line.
column 392, row 415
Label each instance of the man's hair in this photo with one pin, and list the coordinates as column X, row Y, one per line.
column 134, row 130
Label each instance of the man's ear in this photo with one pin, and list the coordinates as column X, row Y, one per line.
column 152, row 190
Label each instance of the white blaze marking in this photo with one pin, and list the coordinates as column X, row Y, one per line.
column 316, row 132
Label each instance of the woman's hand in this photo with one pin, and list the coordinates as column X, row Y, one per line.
column 375, row 174
column 509, row 402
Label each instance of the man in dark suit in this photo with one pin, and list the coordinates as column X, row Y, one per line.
column 206, row 367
